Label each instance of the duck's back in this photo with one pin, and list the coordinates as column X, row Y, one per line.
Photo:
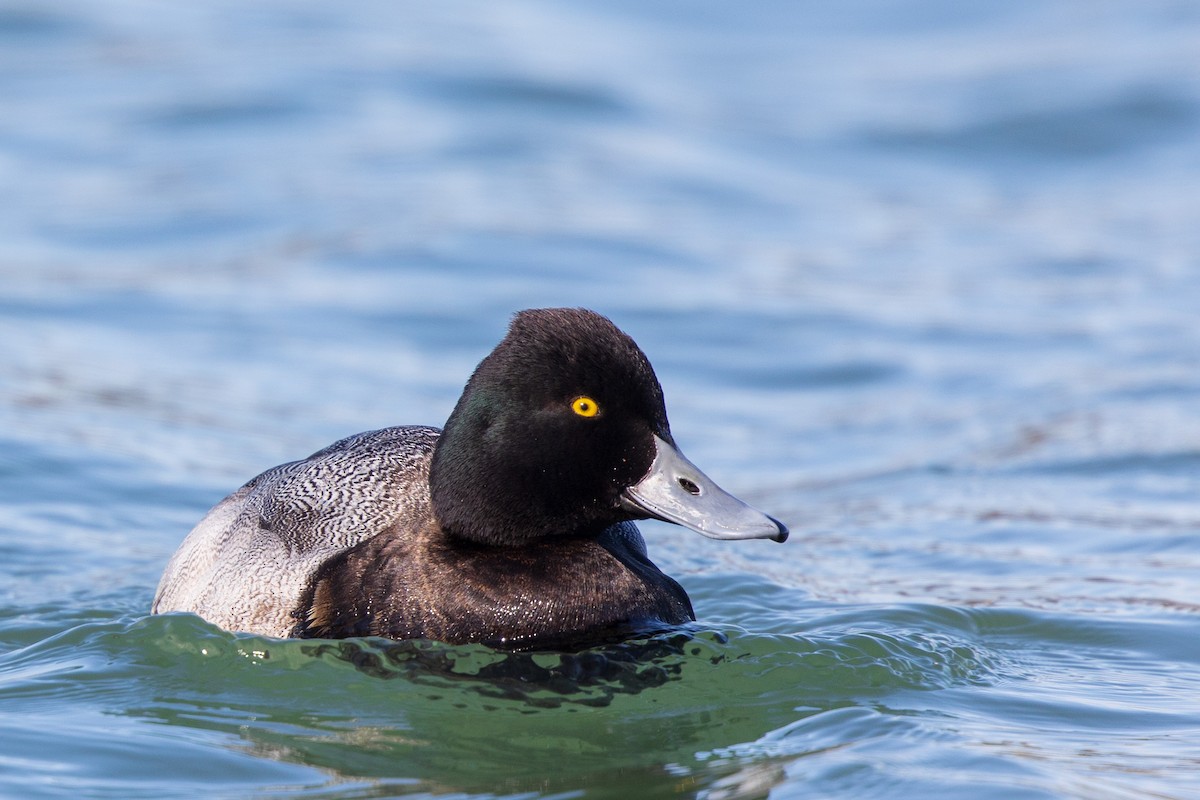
column 245, row 566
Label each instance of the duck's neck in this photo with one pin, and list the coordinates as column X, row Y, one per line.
column 489, row 490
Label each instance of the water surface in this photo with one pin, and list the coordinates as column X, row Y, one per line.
column 921, row 280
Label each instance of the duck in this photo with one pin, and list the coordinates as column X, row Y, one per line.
column 513, row 526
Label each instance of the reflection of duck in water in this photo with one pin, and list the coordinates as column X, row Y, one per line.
column 512, row 526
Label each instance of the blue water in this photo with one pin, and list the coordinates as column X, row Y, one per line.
column 922, row 279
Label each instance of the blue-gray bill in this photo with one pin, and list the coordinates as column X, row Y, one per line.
column 675, row 490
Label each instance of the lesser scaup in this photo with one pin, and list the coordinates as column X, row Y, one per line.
column 512, row 526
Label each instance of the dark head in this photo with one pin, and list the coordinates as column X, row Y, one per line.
column 562, row 430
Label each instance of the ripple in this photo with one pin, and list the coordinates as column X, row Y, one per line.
column 519, row 92
column 726, row 709
column 1186, row 462
column 847, row 375
column 34, row 24
column 225, row 112
column 96, row 658
column 1132, row 121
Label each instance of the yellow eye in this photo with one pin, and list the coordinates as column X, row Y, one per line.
column 585, row 406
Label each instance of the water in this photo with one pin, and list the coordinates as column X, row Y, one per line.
column 920, row 279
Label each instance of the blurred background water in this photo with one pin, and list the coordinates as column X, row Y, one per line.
column 921, row 279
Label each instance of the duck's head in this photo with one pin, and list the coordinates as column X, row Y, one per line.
column 562, row 430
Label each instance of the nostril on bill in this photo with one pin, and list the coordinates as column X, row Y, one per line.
column 689, row 486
